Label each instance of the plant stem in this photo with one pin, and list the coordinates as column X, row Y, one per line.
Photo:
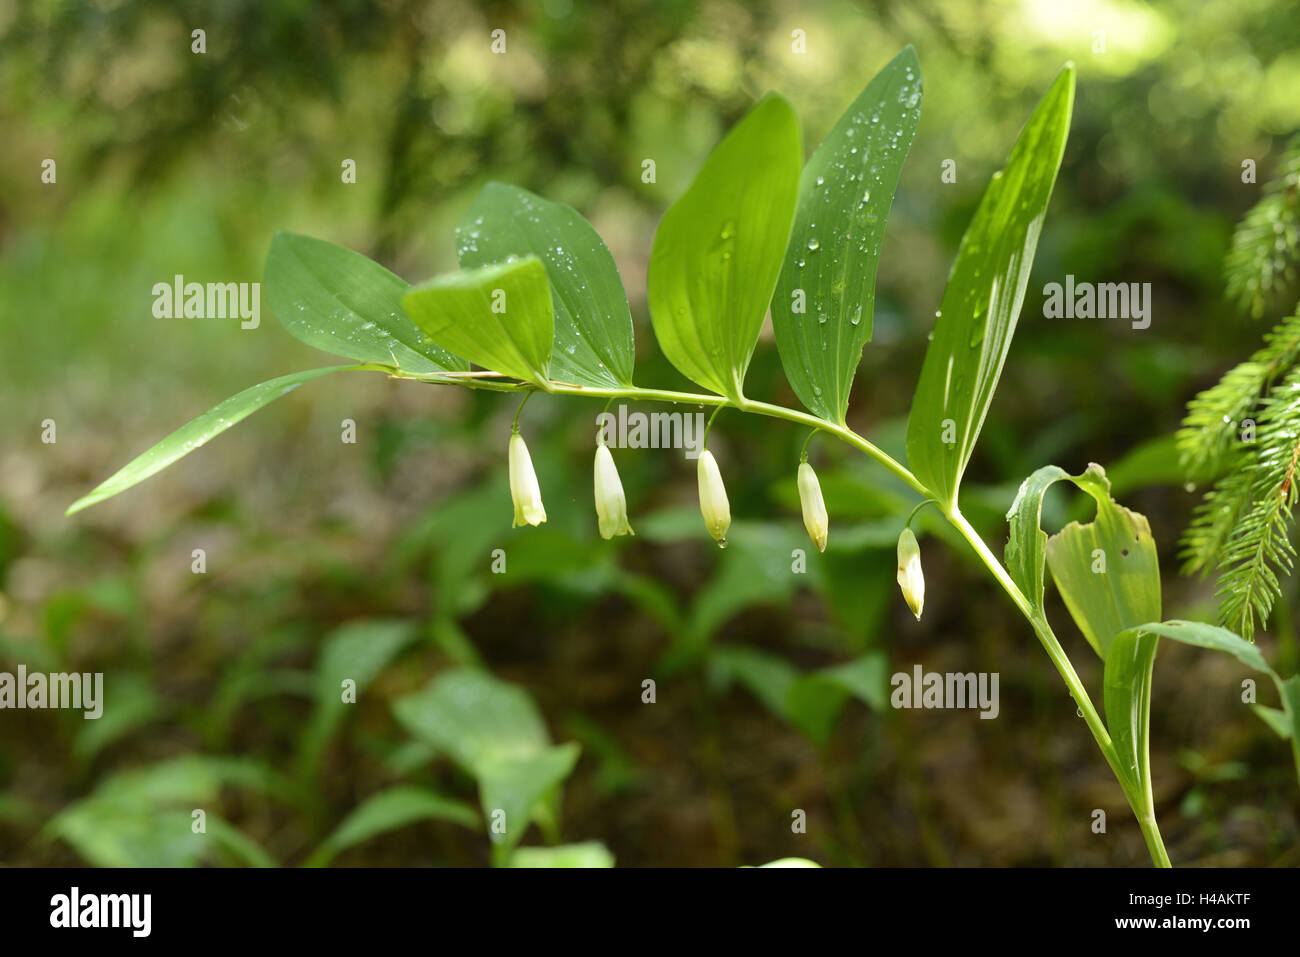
column 1139, row 796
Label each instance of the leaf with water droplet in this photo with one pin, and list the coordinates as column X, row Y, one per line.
column 499, row 317
column 340, row 301
column 593, row 325
column 718, row 249
column 981, row 304
column 844, row 232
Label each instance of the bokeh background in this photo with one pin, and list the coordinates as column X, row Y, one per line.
column 171, row 162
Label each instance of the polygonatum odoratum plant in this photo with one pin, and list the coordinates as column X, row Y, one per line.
column 538, row 306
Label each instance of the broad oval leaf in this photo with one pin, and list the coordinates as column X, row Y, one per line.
column 499, row 317
column 340, row 301
column 198, row 432
column 475, row 718
column 825, row 298
column 593, row 325
column 1107, row 571
column 717, row 252
column 982, row 301
column 494, row 731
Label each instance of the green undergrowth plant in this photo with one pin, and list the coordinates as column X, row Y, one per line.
column 538, row 308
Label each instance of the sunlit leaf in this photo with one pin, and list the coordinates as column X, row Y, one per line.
column 717, row 252
column 593, row 326
column 499, row 317
column 825, row 299
column 981, row 304
column 1107, row 571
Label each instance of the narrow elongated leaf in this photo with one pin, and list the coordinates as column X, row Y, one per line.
column 825, row 299
column 1107, row 571
column 982, row 301
column 1127, row 700
column 593, row 325
column 357, row 651
column 198, row 432
column 499, row 317
column 1204, row 635
column 340, row 301
column 717, row 252
column 388, row 811
column 1285, row 722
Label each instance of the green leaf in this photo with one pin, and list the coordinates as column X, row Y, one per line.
column 717, row 252
column 1204, row 635
column 198, row 432
column 1107, row 571
column 495, row 733
column 132, row 820
column 357, row 651
column 981, row 304
column 593, row 325
column 587, row 854
column 830, row 267
column 1286, row 722
column 1275, row 718
column 522, row 787
column 810, row 702
column 1026, row 548
column 388, row 811
column 340, row 301
column 471, row 716
column 1127, row 699
column 499, row 317
column 135, row 704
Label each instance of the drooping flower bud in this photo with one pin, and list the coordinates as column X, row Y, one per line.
column 910, row 579
column 713, row 498
column 611, row 503
column 813, row 506
column 524, row 491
